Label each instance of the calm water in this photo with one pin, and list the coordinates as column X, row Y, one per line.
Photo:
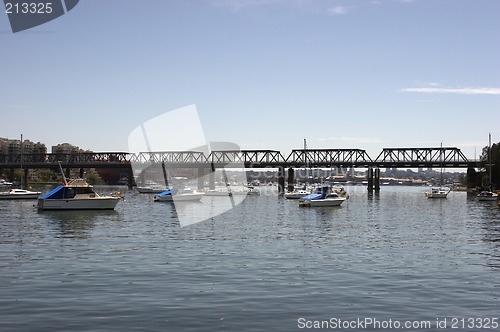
column 259, row 267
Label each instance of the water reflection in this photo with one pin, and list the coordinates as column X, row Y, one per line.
column 77, row 224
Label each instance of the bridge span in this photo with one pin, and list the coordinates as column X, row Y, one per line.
column 448, row 157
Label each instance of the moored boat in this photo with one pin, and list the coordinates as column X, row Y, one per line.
column 215, row 192
column 437, row 193
column 324, row 196
column 296, row 194
column 19, row 194
column 182, row 195
column 76, row 194
column 487, row 196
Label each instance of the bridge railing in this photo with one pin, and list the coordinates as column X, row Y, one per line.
column 327, row 157
column 435, row 156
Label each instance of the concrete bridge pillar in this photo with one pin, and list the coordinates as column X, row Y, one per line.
column 82, row 173
column 67, row 173
column 281, row 180
column 377, row 179
column 202, row 173
column 291, row 179
column 370, row 179
column 211, row 180
column 130, row 178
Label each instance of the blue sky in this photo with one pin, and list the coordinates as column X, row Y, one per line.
column 264, row 74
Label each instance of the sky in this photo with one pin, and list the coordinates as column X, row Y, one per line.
column 263, row 74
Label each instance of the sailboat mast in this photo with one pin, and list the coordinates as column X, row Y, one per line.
column 22, row 153
column 441, row 165
column 489, row 160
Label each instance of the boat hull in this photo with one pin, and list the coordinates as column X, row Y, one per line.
column 17, row 196
column 178, row 198
column 218, row 193
column 148, row 190
column 322, row 202
column 100, row 203
column 487, row 198
column 436, row 194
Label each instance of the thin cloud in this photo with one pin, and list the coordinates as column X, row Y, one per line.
column 338, row 10
column 460, row 91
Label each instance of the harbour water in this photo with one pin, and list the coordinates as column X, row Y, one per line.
column 266, row 265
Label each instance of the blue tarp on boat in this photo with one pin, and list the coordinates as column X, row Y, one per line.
column 312, row 196
column 165, row 193
column 56, row 193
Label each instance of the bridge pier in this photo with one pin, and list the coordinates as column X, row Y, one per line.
column 130, row 178
column 201, row 178
column 291, row 180
column 373, row 179
column 281, row 180
column 25, row 177
column 81, row 173
column 211, row 181
column 370, row 179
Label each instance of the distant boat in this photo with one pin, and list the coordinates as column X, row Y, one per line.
column 76, row 195
column 439, row 192
column 218, row 193
column 296, row 194
column 4, row 183
column 250, row 191
column 19, row 194
column 488, row 195
column 324, row 196
column 181, row 195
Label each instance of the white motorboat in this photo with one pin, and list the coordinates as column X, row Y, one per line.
column 437, row 193
column 215, row 192
column 76, row 194
column 324, row 196
column 252, row 191
column 4, row 183
column 181, row 195
column 19, row 194
column 296, row 194
column 487, row 196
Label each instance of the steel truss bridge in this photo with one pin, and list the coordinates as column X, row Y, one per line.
column 449, row 157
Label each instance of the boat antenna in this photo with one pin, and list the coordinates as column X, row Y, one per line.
column 62, row 173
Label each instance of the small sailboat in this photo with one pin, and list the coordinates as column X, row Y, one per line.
column 488, row 195
column 18, row 193
column 439, row 192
